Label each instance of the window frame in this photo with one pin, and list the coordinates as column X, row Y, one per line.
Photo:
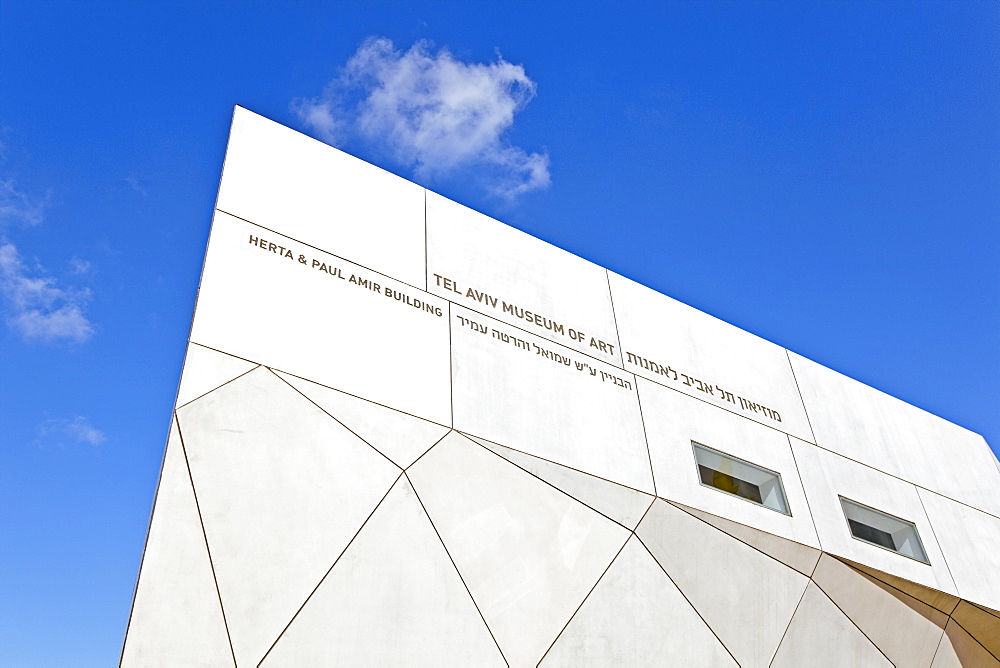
column 695, row 446
column 913, row 525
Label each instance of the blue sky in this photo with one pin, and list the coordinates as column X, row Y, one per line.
column 825, row 175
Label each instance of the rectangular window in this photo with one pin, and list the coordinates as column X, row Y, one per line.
column 740, row 478
column 878, row 528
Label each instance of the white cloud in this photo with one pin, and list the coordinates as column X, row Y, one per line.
column 136, row 185
column 37, row 307
column 432, row 112
column 80, row 266
column 16, row 205
column 79, row 429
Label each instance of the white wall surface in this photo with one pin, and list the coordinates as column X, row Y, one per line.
column 523, row 396
column 282, row 180
column 881, row 431
column 274, row 310
column 819, row 636
column 381, row 605
column 707, row 358
column 746, row 596
column 528, row 553
column 970, row 540
column 673, row 420
column 882, row 612
column 176, row 615
column 282, row 488
column 827, row 476
column 636, row 617
column 493, row 264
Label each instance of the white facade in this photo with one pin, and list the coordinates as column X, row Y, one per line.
column 407, row 434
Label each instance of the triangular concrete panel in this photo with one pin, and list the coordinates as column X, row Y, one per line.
column 746, row 597
column 399, row 436
column 989, row 611
column 905, row 629
column 958, row 649
column 622, row 504
column 938, row 600
column 636, row 617
column 800, row 557
column 821, row 636
column 981, row 624
column 205, row 370
column 528, row 553
column 283, row 488
column 176, row 617
column 393, row 599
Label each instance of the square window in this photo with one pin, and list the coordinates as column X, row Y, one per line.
column 888, row 532
column 740, row 478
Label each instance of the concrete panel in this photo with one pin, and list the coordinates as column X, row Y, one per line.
column 392, row 599
column 528, row 553
column 690, row 351
column 316, row 194
column 400, row 437
column 827, row 476
column 674, row 420
column 981, row 624
column 904, row 629
column 546, row 400
column 938, row 600
column 970, row 541
column 176, row 616
column 508, row 275
column 282, row 489
column 636, row 617
column 206, row 369
column 990, row 611
column 821, row 636
column 333, row 323
column 746, row 597
column 958, row 649
column 798, row 556
column 621, row 504
column 881, row 431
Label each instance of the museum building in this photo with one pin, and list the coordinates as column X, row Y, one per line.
column 407, row 434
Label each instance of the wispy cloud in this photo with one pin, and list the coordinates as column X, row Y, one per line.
column 433, row 113
column 136, row 185
column 80, row 266
column 37, row 307
column 34, row 304
column 15, row 205
column 78, row 429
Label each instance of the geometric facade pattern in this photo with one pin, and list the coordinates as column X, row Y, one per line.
column 306, row 516
column 476, row 554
